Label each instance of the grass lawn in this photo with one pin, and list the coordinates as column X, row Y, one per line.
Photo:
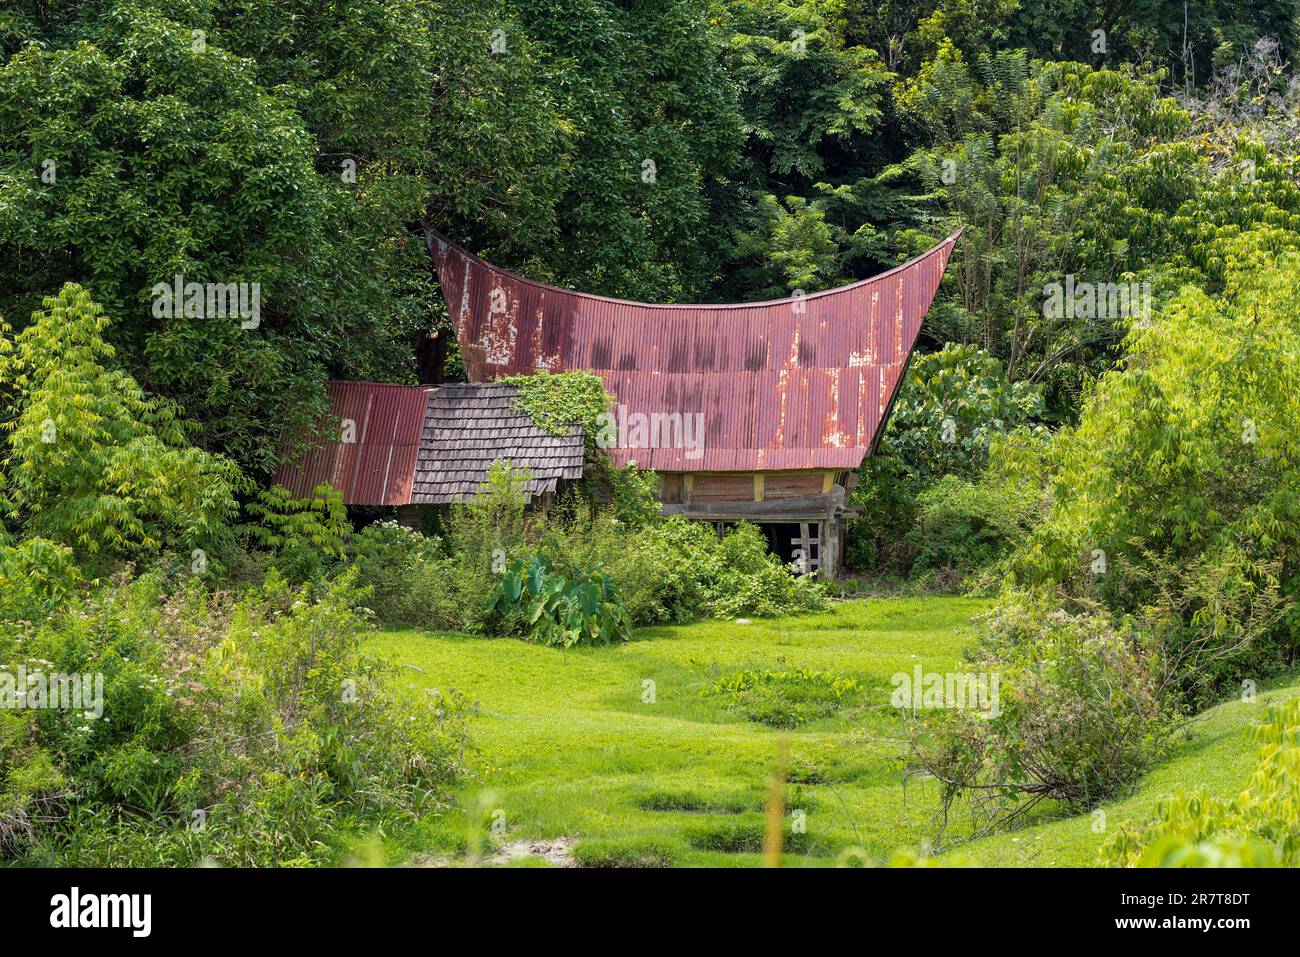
column 618, row 752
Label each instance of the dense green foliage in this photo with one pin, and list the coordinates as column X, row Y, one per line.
column 1168, row 524
column 1175, row 497
column 534, row 600
column 951, row 407
column 241, row 732
column 189, row 724
column 303, row 534
column 238, row 185
column 964, row 527
column 90, row 461
column 1075, row 720
column 499, row 569
column 1260, row 827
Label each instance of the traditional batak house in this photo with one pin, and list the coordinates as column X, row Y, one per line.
column 758, row 412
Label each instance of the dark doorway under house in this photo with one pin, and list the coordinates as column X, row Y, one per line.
column 790, row 541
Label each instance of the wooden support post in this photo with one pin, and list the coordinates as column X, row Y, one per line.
column 807, row 552
column 830, row 536
column 758, row 486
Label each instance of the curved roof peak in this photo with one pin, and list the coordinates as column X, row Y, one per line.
column 796, row 383
column 443, row 244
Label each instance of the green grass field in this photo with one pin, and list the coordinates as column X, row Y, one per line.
column 616, row 756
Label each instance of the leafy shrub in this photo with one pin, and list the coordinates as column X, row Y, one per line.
column 490, row 525
column 786, row 699
column 658, row 569
column 666, row 570
column 752, row 581
column 634, row 495
column 303, row 535
column 673, row 569
column 952, row 407
column 1076, row 718
column 404, row 571
column 1260, row 827
column 680, row 571
column 319, row 522
column 1177, row 498
column 965, row 526
column 346, row 719
column 534, row 600
column 441, row 583
column 875, row 538
column 36, row 576
column 250, row 732
column 92, row 462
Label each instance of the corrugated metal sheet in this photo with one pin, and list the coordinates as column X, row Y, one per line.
column 789, row 384
column 377, row 467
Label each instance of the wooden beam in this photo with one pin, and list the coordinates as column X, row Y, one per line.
column 827, row 481
column 688, row 486
column 808, row 508
column 758, row 486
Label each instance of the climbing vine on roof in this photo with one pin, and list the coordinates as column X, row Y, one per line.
column 557, row 401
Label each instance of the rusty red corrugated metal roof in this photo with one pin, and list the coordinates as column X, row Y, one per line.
column 384, row 424
column 794, row 383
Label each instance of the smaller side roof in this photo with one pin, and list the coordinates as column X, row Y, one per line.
column 368, row 453
column 426, row 445
column 468, row 427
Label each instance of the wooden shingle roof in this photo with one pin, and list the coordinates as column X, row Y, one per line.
column 468, row 427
